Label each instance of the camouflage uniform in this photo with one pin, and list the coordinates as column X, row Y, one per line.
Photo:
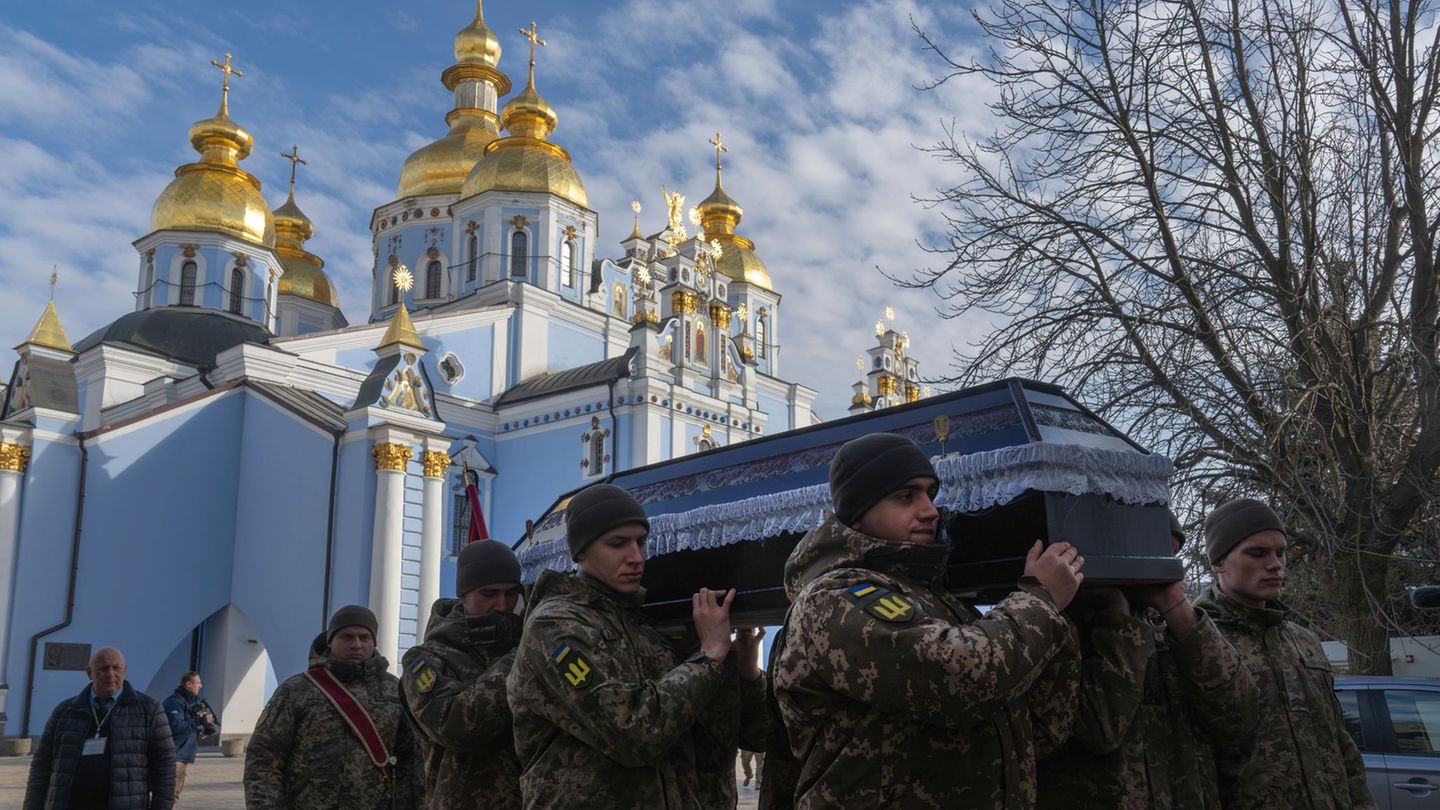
column 1151, row 711
column 605, row 710
column 737, row 718
column 1302, row 756
column 454, row 687
column 303, row 755
column 896, row 694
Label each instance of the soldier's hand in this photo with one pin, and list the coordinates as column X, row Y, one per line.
column 1172, row 604
column 1057, row 568
column 712, row 621
column 747, row 651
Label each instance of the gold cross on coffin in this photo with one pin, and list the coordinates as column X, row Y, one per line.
column 719, row 147
column 228, row 69
column 534, row 40
column 295, row 161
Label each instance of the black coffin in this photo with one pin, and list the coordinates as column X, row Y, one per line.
column 1019, row 461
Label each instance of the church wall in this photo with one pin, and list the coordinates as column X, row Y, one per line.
column 778, row 410
column 474, row 348
column 354, row 527
column 535, row 468
column 571, row 345
column 280, row 529
column 42, row 564
column 157, row 541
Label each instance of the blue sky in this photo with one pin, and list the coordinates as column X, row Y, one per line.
column 817, row 102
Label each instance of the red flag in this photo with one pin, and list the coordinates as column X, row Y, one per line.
column 477, row 515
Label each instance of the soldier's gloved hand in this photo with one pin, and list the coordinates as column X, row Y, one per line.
column 747, row 651
column 1057, row 568
column 712, row 622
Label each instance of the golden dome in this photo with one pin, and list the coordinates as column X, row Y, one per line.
column 739, row 262
column 476, row 43
column 215, row 194
column 524, row 160
column 441, row 167
column 719, row 215
column 304, row 271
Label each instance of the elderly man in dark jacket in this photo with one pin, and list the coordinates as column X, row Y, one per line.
column 108, row 748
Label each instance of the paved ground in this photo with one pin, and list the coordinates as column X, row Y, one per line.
column 213, row 784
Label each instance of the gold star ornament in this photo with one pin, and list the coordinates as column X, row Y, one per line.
column 403, row 279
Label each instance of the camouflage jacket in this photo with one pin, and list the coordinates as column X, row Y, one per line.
column 454, row 688
column 896, row 694
column 1152, row 709
column 303, row 755
column 1302, row 756
column 605, row 709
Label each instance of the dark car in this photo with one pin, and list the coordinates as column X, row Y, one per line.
column 1396, row 724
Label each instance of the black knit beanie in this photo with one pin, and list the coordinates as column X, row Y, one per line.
column 1233, row 521
column 485, row 562
column 352, row 616
column 596, row 510
column 1175, row 529
column 869, row 468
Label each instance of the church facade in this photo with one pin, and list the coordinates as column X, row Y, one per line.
column 203, row 480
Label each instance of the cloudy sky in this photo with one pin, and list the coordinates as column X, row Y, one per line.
column 817, row 101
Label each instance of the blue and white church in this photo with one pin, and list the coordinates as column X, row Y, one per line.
column 203, row 480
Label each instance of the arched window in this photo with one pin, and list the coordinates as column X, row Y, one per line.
column 519, row 253
column 703, row 445
column 617, row 301
column 567, row 265
column 700, row 356
column 432, row 279
column 474, row 249
column 760, row 336
column 597, row 453
column 188, row 271
column 237, row 289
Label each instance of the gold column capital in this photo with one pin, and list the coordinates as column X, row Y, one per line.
column 436, row 463
column 391, row 456
column 14, row 457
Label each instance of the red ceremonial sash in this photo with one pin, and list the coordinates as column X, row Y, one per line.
column 354, row 715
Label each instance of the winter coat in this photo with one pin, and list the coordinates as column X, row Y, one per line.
column 304, row 756
column 139, row 747
column 896, row 694
column 1153, row 710
column 454, row 688
column 605, row 710
column 185, row 727
column 1302, row 757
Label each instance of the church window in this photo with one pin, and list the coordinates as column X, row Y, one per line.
column 567, row 263
column 597, row 453
column 703, row 445
column 188, row 271
column 700, row 355
column 760, row 336
column 393, row 293
column 432, row 279
column 452, row 369
column 617, row 301
column 519, row 253
column 460, row 527
column 474, row 249
column 237, row 290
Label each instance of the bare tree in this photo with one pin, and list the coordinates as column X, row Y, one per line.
column 1216, row 219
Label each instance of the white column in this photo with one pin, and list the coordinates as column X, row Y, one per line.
column 390, row 462
column 431, row 527
column 13, row 459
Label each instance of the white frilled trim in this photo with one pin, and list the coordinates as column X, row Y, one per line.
column 968, row 483
column 977, row 481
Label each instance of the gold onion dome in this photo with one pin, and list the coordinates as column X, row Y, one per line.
column 719, row 215
column 304, row 275
column 442, row 166
column 525, row 160
column 215, row 194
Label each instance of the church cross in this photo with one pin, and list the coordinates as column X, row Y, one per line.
column 54, row 277
column 534, row 40
column 228, row 69
column 719, row 147
column 295, row 161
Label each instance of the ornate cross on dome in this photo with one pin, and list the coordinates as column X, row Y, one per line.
column 534, row 40
column 295, row 161
column 228, row 69
column 54, row 277
column 719, row 147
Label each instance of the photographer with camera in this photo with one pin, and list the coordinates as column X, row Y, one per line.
column 191, row 721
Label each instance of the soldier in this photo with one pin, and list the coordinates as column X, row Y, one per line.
column 1157, row 691
column 605, row 711
column 1302, row 756
column 893, row 692
column 334, row 737
column 737, row 719
column 455, row 685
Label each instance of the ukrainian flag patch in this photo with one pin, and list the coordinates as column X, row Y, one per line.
column 575, row 666
column 882, row 603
